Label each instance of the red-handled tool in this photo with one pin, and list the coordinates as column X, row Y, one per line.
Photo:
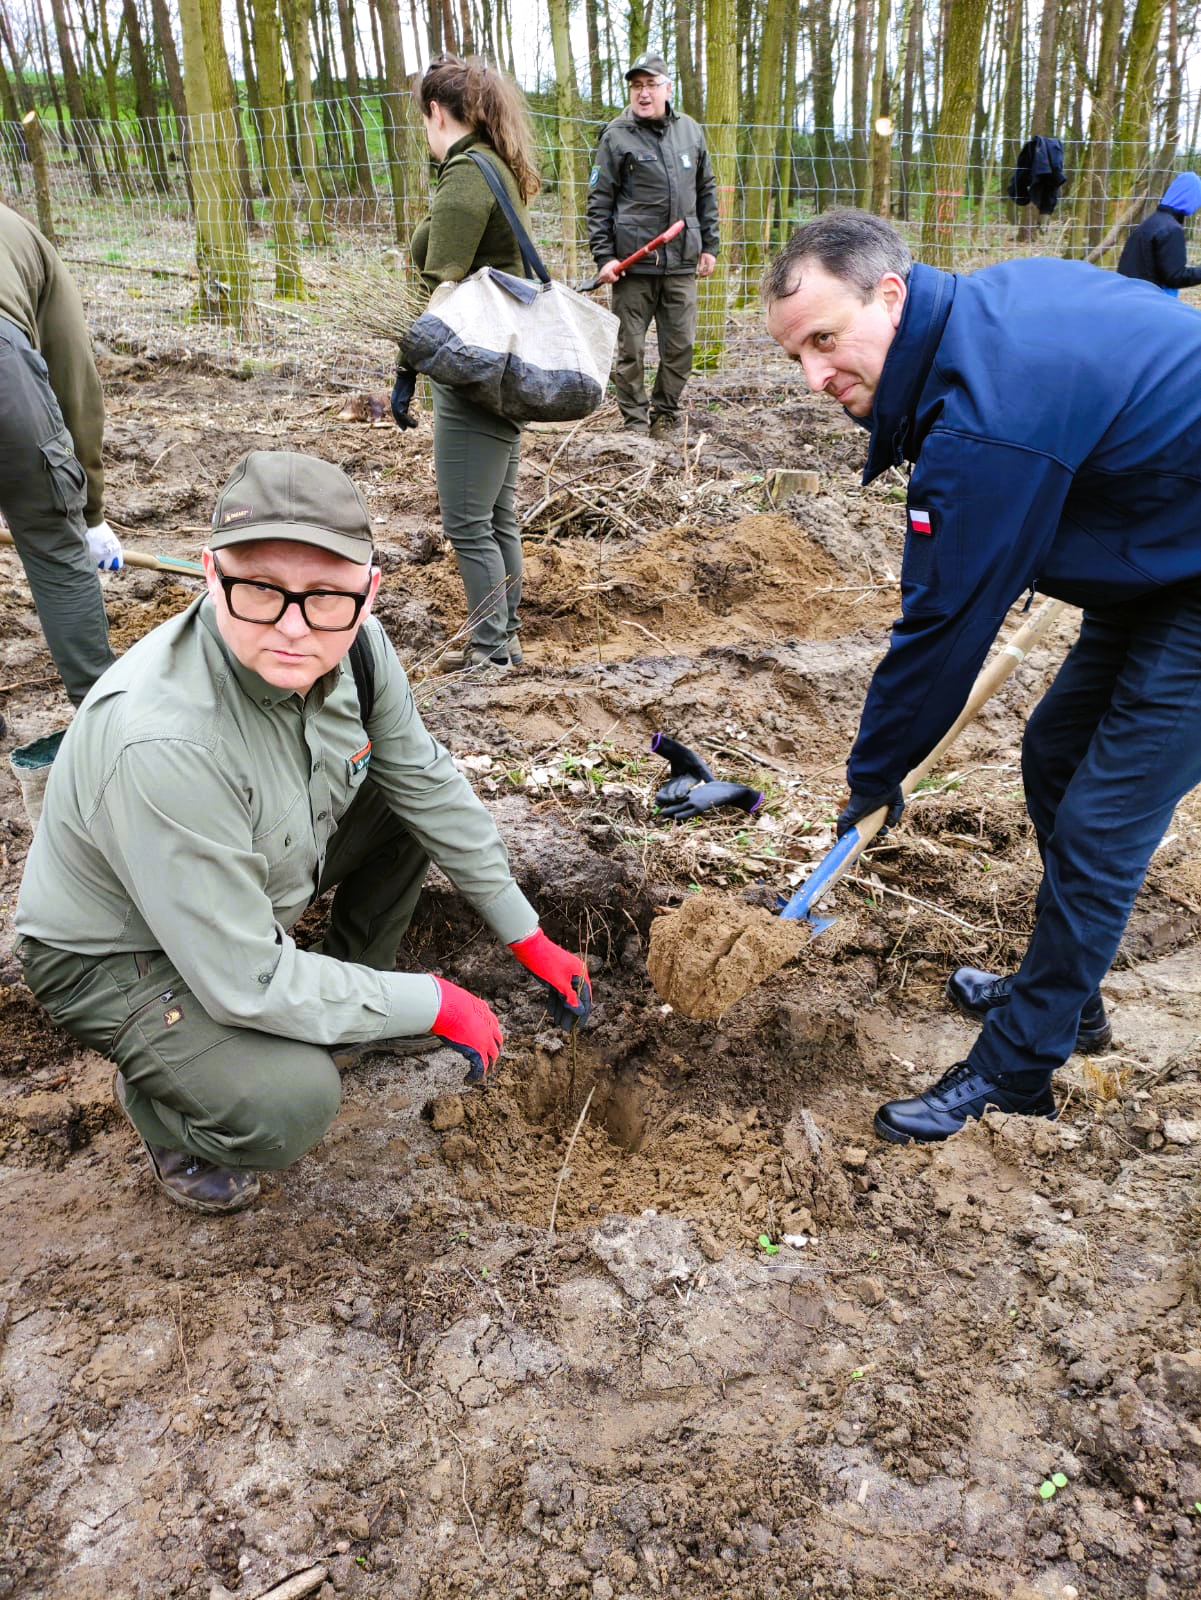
column 662, row 238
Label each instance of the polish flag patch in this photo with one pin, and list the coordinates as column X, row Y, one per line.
column 919, row 521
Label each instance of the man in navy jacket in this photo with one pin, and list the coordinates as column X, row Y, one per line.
column 1053, row 417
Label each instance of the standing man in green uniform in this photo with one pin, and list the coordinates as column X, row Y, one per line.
column 51, row 430
column 253, row 751
column 652, row 168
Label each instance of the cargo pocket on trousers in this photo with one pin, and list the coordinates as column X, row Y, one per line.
column 68, row 480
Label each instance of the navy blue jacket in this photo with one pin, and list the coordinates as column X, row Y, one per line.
column 1053, row 411
column 1156, row 251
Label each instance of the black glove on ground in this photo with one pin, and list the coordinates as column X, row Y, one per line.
column 675, row 789
column 684, row 763
column 862, row 805
column 704, row 796
column 402, row 397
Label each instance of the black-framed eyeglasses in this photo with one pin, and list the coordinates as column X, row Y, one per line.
column 324, row 610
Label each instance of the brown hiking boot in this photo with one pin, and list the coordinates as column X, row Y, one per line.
column 190, row 1181
column 472, row 658
column 664, row 425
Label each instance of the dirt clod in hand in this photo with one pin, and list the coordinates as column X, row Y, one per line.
column 714, row 950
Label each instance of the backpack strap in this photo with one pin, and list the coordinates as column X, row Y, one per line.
column 362, row 664
column 530, row 258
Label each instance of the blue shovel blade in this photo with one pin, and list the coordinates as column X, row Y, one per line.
column 799, row 908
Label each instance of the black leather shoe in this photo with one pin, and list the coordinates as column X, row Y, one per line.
column 191, row 1182
column 977, row 993
column 958, row 1095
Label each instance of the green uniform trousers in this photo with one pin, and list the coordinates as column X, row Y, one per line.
column 475, row 461
column 669, row 301
column 234, row 1096
column 43, row 491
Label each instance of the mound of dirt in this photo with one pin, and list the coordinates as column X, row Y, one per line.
column 713, row 950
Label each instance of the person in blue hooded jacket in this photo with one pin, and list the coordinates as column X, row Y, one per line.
column 1068, row 464
column 1155, row 249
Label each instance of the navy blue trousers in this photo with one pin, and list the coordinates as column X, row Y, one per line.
column 1109, row 752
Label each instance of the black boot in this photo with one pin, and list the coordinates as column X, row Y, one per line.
column 191, row 1182
column 977, row 993
column 959, row 1095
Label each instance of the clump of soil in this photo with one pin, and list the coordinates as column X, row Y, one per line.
column 713, row 950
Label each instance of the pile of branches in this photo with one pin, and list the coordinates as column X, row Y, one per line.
column 605, row 493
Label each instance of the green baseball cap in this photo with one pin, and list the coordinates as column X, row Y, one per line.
column 278, row 494
column 650, row 63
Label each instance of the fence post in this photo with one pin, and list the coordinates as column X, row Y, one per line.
column 32, row 130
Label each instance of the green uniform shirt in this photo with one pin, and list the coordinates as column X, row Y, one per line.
column 189, row 810
column 39, row 295
column 466, row 229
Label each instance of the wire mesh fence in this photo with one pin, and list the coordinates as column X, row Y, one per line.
column 335, row 194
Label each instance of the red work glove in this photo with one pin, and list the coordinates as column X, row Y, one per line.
column 468, row 1026
column 562, row 975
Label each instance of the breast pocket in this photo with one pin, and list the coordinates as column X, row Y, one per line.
column 290, row 851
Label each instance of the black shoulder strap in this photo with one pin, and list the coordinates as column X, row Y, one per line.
column 530, row 258
column 362, row 664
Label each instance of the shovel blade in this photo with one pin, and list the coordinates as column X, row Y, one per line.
column 831, row 866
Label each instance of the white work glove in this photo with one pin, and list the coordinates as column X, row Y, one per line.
column 106, row 548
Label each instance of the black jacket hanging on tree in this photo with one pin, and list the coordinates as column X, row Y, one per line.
column 1039, row 175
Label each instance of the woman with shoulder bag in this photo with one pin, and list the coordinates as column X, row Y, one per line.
column 467, row 105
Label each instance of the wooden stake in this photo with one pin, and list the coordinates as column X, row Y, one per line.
column 32, row 129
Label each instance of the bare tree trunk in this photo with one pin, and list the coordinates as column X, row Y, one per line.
column 721, row 136
column 907, row 74
column 354, row 107
column 687, row 81
column 20, row 146
column 881, row 142
column 565, row 106
column 48, row 70
column 396, row 105
column 861, row 55
column 289, row 284
column 1012, row 136
column 222, row 252
column 640, row 22
column 296, row 26
column 1092, row 192
column 82, row 132
column 149, row 129
column 175, row 89
column 1042, row 110
column 822, row 73
column 760, row 191
column 1133, row 139
column 465, row 33
column 785, row 151
column 23, row 96
column 250, row 75
column 961, row 71
column 596, row 91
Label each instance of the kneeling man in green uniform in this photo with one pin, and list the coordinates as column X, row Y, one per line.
column 257, row 749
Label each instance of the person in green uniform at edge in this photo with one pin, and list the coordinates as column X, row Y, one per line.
column 51, row 432
column 259, row 748
column 466, row 106
column 652, row 169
